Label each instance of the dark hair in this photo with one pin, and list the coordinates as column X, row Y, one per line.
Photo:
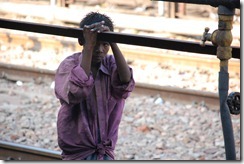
column 94, row 17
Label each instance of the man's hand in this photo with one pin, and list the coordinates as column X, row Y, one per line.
column 90, row 41
column 90, row 33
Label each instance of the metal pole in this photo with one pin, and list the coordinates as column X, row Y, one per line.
column 224, row 38
column 132, row 39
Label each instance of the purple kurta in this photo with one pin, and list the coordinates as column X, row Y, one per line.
column 88, row 107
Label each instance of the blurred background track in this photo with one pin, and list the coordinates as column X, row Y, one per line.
column 126, row 16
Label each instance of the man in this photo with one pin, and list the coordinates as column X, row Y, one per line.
column 92, row 87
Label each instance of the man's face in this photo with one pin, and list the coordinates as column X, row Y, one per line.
column 100, row 51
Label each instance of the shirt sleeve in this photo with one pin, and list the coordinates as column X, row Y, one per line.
column 71, row 82
column 119, row 89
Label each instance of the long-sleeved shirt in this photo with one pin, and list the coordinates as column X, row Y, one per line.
column 91, row 108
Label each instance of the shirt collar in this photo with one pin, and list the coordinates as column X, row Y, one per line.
column 103, row 68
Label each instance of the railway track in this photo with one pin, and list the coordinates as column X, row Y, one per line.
column 14, row 151
column 23, row 73
column 133, row 53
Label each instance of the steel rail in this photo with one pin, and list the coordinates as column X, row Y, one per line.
column 35, row 43
column 24, row 73
column 214, row 3
column 14, row 151
column 131, row 39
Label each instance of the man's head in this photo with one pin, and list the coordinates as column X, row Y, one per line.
column 94, row 17
column 101, row 48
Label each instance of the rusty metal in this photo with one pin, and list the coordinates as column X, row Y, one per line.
column 233, row 102
column 14, row 151
column 140, row 40
column 207, row 37
column 11, row 72
column 223, row 38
